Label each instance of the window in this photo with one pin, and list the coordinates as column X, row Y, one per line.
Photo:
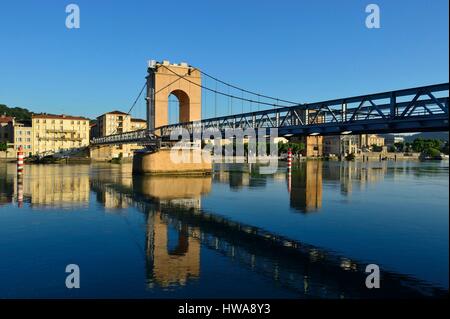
column 72, row 122
column 28, row 132
column 53, row 121
column 37, row 121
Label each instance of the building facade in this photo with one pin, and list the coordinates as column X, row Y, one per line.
column 114, row 122
column 23, row 137
column 7, row 136
column 341, row 145
column 350, row 144
column 391, row 139
column 6, row 129
column 366, row 141
column 58, row 133
column 111, row 123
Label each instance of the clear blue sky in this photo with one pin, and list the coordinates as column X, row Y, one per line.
column 298, row 50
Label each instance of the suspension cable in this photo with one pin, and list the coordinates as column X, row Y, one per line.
column 246, row 91
column 142, row 90
column 132, row 106
column 225, row 94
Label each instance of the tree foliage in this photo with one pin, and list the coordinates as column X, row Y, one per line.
column 376, row 148
column 297, row 148
column 17, row 112
column 433, row 152
column 420, row 144
column 400, row 146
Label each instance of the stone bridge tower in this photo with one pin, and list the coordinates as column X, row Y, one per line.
column 181, row 80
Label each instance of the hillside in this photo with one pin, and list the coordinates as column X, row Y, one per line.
column 428, row 135
column 17, row 112
column 424, row 135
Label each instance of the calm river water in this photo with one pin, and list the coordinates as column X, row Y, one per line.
column 233, row 234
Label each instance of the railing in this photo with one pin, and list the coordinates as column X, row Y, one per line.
column 409, row 110
column 427, row 102
column 141, row 137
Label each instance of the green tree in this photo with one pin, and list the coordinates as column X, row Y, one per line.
column 3, row 147
column 400, row 146
column 376, row 148
column 17, row 112
column 297, row 148
column 420, row 144
column 433, row 152
column 408, row 146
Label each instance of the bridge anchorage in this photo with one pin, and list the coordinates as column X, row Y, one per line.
column 415, row 109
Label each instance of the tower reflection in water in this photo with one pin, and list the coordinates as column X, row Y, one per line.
column 173, row 254
column 306, row 187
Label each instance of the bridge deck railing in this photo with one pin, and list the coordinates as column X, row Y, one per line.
column 408, row 110
column 394, row 106
column 143, row 136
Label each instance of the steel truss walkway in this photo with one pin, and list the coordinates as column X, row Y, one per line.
column 409, row 110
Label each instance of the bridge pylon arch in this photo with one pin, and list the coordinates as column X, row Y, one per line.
column 181, row 80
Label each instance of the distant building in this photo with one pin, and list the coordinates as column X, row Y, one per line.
column 138, row 124
column 366, row 141
column 350, row 144
column 55, row 133
column 313, row 145
column 23, row 137
column 7, row 136
column 115, row 122
column 341, row 144
column 6, row 129
column 93, row 130
column 391, row 139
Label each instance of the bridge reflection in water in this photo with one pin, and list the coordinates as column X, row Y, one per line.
column 178, row 228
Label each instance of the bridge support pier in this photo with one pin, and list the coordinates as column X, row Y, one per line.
column 188, row 162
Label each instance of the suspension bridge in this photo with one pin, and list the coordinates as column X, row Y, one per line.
column 415, row 109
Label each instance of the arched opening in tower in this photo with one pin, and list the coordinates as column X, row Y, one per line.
column 178, row 107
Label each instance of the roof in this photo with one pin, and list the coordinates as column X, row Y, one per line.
column 116, row 112
column 23, row 123
column 6, row 119
column 138, row 120
column 58, row 116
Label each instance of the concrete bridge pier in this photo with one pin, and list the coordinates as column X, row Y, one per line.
column 170, row 162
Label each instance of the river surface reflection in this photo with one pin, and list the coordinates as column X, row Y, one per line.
column 233, row 234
